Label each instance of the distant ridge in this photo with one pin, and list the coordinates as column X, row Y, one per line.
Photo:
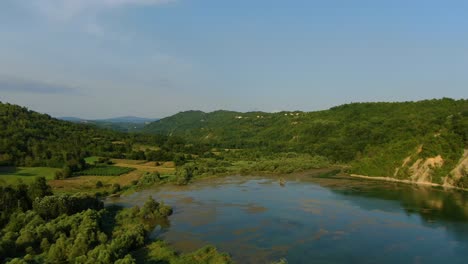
column 71, row 119
column 123, row 119
column 122, row 124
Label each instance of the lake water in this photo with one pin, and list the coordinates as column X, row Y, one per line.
column 315, row 220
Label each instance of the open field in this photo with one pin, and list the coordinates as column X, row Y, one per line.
column 104, row 170
column 137, row 147
column 128, row 161
column 164, row 168
column 92, row 159
column 87, row 183
column 11, row 175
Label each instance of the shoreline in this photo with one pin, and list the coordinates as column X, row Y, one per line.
column 389, row 179
column 311, row 172
column 314, row 172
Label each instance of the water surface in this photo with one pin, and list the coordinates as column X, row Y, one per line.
column 315, row 220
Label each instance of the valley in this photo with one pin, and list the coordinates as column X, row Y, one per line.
column 286, row 172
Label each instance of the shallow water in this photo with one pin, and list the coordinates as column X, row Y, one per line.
column 315, row 220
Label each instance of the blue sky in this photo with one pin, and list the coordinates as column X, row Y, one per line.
column 153, row 58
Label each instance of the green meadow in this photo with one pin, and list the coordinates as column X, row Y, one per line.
column 13, row 175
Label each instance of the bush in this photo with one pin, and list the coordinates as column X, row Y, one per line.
column 149, row 178
column 153, row 209
column 99, row 184
column 116, row 188
column 185, row 173
column 63, row 173
column 102, row 160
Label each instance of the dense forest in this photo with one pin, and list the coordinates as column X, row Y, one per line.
column 341, row 133
column 37, row 226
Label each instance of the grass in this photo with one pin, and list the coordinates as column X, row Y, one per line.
column 91, row 160
column 128, row 161
column 87, row 184
column 12, row 175
column 145, row 166
column 104, row 170
column 125, row 172
column 142, row 147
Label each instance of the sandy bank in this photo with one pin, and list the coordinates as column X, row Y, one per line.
column 380, row 178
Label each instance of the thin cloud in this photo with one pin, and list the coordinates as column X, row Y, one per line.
column 34, row 87
column 94, row 29
column 67, row 9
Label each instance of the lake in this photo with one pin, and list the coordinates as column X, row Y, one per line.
column 311, row 219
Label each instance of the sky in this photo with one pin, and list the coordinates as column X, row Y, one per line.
column 154, row 58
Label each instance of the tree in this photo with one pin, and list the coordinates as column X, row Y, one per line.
column 150, row 208
column 128, row 259
column 179, row 159
column 185, row 173
column 58, row 251
column 39, row 188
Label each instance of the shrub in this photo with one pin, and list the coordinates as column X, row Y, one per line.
column 149, row 179
column 115, row 188
column 63, row 173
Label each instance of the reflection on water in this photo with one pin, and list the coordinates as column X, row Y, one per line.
column 308, row 219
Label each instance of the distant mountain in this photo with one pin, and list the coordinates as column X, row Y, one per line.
column 122, row 124
column 128, row 119
column 71, row 119
column 123, row 119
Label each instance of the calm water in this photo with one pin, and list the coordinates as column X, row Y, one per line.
column 315, row 220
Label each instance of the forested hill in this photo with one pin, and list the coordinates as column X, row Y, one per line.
column 31, row 139
column 339, row 132
column 374, row 137
column 422, row 141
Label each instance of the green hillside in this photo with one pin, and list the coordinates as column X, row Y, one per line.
column 374, row 138
column 28, row 138
column 31, row 139
column 423, row 141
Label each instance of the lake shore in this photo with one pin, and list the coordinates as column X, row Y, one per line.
column 389, row 179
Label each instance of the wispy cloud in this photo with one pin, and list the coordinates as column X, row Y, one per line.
column 16, row 85
column 93, row 28
column 67, row 9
